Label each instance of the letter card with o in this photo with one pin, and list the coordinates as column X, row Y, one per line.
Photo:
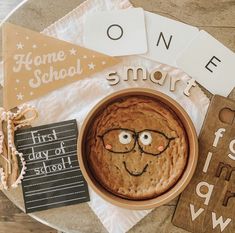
column 35, row 64
column 208, row 203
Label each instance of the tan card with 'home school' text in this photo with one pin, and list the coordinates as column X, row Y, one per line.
column 35, row 64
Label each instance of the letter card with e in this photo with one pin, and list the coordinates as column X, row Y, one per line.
column 53, row 177
column 208, row 203
column 210, row 63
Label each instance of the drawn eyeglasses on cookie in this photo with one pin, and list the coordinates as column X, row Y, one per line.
column 122, row 140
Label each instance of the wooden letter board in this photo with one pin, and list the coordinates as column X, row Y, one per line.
column 208, row 203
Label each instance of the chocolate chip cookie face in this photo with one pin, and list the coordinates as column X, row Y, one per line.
column 124, row 141
column 137, row 148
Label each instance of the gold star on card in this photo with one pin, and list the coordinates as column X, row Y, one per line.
column 35, row 64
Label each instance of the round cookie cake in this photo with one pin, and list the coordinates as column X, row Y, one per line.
column 137, row 148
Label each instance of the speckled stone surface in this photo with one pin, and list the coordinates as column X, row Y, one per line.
column 216, row 17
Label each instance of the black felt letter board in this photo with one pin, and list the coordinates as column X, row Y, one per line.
column 53, row 177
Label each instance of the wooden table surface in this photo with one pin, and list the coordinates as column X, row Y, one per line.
column 7, row 6
column 215, row 16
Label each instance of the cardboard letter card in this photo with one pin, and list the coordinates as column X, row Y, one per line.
column 167, row 38
column 53, row 177
column 208, row 203
column 116, row 33
column 210, row 63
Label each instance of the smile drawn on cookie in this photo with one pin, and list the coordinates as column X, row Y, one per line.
column 135, row 173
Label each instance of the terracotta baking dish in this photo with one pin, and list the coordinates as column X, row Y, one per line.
column 181, row 183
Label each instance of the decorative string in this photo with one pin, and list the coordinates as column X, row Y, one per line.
column 2, row 173
column 14, row 121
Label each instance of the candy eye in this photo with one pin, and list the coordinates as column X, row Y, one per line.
column 146, row 138
column 124, row 137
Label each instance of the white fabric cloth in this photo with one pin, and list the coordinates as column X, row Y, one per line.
column 77, row 99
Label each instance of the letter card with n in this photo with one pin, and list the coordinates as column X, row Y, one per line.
column 167, row 38
column 208, row 203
